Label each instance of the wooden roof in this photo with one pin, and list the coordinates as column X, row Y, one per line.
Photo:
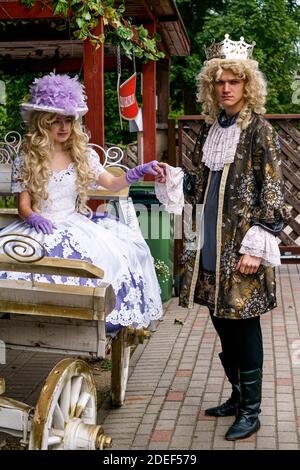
column 35, row 42
column 169, row 22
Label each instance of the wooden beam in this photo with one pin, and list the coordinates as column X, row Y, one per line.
column 94, row 85
column 41, row 65
column 16, row 11
column 149, row 11
column 267, row 116
column 149, row 109
column 282, row 116
column 60, row 65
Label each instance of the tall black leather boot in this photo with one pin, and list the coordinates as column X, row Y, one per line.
column 230, row 407
column 247, row 422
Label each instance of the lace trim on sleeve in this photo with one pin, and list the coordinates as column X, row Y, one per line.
column 17, row 185
column 259, row 242
column 94, row 162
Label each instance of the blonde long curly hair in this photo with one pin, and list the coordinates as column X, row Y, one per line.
column 255, row 91
column 36, row 149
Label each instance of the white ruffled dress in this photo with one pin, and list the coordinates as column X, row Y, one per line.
column 121, row 252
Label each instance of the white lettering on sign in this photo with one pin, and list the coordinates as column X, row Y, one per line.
column 126, row 101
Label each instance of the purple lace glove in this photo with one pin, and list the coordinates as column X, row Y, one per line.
column 134, row 174
column 40, row 223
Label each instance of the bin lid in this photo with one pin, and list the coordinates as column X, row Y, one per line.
column 143, row 192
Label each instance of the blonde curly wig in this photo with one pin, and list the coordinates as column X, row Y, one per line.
column 36, row 149
column 255, row 91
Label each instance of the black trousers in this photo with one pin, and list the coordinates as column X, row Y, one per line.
column 241, row 341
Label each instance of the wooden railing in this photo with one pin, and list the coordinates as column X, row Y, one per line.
column 288, row 128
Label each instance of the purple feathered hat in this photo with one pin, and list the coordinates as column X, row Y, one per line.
column 58, row 94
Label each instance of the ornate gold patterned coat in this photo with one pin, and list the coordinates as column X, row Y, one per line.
column 251, row 190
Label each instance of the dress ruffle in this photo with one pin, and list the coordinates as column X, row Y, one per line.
column 121, row 252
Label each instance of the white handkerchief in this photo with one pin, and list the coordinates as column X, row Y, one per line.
column 170, row 194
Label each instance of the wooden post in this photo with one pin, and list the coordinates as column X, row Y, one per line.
column 149, row 108
column 163, row 90
column 172, row 158
column 94, row 86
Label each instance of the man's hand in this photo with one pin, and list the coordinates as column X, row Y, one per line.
column 161, row 178
column 248, row 264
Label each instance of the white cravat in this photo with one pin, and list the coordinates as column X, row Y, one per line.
column 220, row 145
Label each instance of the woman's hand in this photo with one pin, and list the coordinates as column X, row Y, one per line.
column 248, row 264
column 40, row 224
column 150, row 168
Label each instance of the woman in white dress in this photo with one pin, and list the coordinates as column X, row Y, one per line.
column 51, row 176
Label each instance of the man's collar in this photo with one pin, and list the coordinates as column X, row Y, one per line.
column 225, row 121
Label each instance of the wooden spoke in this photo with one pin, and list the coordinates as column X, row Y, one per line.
column 65, row 414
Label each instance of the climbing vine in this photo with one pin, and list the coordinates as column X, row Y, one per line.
column 82, row 16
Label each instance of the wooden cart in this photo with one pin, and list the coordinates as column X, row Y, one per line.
column 63, row 319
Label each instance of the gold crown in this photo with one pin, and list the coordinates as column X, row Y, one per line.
column 228, row 49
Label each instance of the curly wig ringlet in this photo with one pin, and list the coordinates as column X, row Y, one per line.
column 36, row 149
column 255, row 88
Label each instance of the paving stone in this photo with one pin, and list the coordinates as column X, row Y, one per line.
column 177, row 374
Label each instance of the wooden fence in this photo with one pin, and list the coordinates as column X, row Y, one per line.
column 287, row 126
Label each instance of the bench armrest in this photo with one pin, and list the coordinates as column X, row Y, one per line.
column 102, row 193
column 58, row 266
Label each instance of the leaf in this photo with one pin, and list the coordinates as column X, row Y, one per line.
column 28, row 3
column 60, row 7
column 61, row 27
column 80, row 22
column 142, row 32
column 85, row 18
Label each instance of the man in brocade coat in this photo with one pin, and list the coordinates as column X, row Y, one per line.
column 237, row 177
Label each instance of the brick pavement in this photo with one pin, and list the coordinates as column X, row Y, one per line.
column 177, row 374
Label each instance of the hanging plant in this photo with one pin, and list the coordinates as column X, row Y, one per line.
column 83, row 17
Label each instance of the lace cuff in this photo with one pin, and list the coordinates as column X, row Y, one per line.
column 259, row 242
column 170, row 194
column 17, row 187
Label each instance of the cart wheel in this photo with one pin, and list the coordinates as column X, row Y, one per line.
column 66, row 411
column 120, row 366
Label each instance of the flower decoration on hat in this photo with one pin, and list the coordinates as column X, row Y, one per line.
column 58, row 94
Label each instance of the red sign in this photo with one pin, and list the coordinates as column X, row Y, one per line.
column 127, row 101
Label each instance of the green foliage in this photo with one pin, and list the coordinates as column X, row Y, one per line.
column 85, row 17
column 106, row 364
column 17, row 87
column 272, row 24
column 113, row 132
column 8, row 202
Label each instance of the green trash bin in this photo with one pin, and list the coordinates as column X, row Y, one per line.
column 157, row 227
